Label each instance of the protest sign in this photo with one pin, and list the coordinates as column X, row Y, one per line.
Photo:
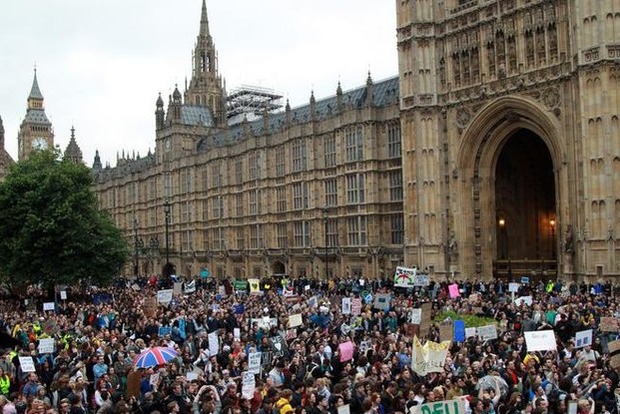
column 421, row 279
column 150, row 307
column 154, row 378
column 382, row 301
column 459, row 330
column 356, row 306
column 191, row 376
column 27, row 364
column 416, row 316
column 583, row 338
column 48, row 306
column 190, row 287
column 278, row 346
column 295, row 320
column 540, row 341
column 446, row 330
column 470, row 332
column 609, row 324
column 237, row 334
column 527, row 300
column 487, row 333
column 254, row 286
column 254, row 362
column 614, row 354
column 248, row 384
column 456, row 406
column 346, row 306
column 346, row 351
column 63, row 295
column 425, row 324
column 164, row 296
column 430, row 357
column 46, row 345
column 214, row 344
column 453, row 289
column 403, row 277
column 513, row 287
column 343, row 409
column 177, row 289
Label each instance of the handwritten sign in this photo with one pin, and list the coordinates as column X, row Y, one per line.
column 487, row 332
column 453, row 289
column 513, row 287
column 346, row 351
column 583, row 338
column 254, row 362
column 295, row 320
column 609, row 324
column 540, row 341
column 164, row 296
column 48, row 306
column 26, row 364
column 46, row 345
column 248, row 384
column 440, row 407
column 416, row 316
column 356, row 306
column 346, row 306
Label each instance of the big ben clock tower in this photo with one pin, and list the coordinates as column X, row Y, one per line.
column 35, row 131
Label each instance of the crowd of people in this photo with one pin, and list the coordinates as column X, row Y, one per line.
column 99, row 333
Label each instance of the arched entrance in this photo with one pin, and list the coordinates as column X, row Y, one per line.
column 525, row 207
column 278, row 268
column 510, row 184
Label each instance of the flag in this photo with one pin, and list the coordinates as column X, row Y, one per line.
column 190, row 287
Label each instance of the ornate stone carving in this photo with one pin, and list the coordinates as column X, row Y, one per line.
column 551, row 98
column 463, row 116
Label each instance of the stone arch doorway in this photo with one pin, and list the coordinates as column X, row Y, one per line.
column 278, row 268
column 501, row 137
column 525, row 206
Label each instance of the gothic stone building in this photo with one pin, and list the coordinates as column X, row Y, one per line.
column 307, row 191
column 511, row 136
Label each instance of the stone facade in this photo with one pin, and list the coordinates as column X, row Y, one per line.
column 5, row 159
column 491, row 91
column 307, row 191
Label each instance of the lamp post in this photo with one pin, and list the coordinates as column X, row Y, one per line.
column 167, row 222
column 154, row 246
column 502, row 229
column 325, row 222
column 136, row 265
column 552, row 228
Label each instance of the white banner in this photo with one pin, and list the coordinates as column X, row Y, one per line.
column 404, row 277
column 416, row 316
column 540, row 341
column 248, row 384
column 429, row 358
column 346, row 306
column 254, row 365
column 214, row 344
column 443, row 407
column 523, row 300
column 487, row 333
column 190, row 287
column 513, row 287
column 295, row 320
column 164, row 296
column 46, row 345
column 583, row 338
column 27, row 364
column 48, row 306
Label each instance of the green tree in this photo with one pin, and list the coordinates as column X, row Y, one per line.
column 51, row 229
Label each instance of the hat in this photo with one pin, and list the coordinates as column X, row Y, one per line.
column 226, row 348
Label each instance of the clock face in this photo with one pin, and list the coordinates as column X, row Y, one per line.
column 167, row 143
column 39, row 143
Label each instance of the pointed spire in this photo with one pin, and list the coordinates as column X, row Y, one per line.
column 1, row 134
column 35, row 92
column 369, row 79
column 97, row 161
column 339, row 89
column 73, row 152
column 204, row 20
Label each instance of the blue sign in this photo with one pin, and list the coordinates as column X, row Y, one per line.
column 204, row 273
column 525, row 280
column 459, row 330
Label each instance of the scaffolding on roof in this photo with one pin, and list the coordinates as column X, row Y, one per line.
column 251, row 102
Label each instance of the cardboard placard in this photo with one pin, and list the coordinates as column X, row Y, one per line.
column 609, row 324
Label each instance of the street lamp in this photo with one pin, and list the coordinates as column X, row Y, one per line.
column 552, row 228
column 136, row 243
column 325, row 221
column 502, row 229
column 167, row 222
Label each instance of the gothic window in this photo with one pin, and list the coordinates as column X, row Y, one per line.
column 396, row 186
column 280, row 161
column 354, row 142
column 281, row 199
column 512, row 54
column 282, row 236
column 456, row 68
column 475, row 64
column 540, row 41
column 330, row 150
column 300, row 156
column 394, row 142
column 301, row 233
column 253, row 166
column 356, row 231
column 300, row 195
column 491, row 54
column 240, row 238
column 331, row 192
column 238, row 172
column 355, row 188
column 465, row 59
column 397, row 226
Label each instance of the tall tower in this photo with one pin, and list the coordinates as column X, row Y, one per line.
column 206, row 86
column 35, row 131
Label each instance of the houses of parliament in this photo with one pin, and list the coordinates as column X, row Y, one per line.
column 494, row 152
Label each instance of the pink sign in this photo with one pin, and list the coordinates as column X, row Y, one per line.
column 356, row 306
column 454, row 290
column 346, row 351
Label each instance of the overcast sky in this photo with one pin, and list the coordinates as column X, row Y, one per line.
column 101, row 63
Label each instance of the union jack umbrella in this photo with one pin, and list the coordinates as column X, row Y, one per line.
column 152, row 357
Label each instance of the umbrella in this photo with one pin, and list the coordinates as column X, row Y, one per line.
column 489, row 381
column 157, row 355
